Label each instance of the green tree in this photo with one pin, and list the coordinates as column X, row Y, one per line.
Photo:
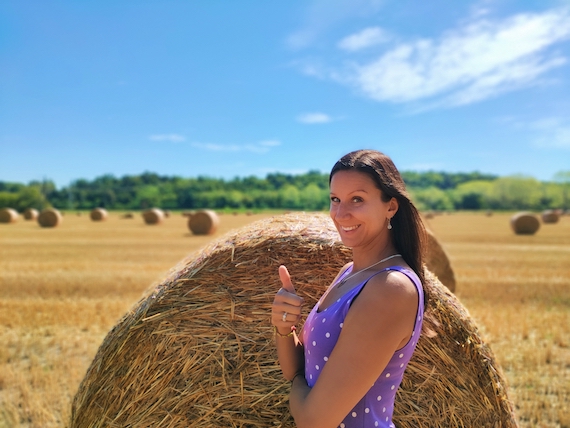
column 313, row 198
column 516, row 193
column 563, row 178
column 472, row 195
column 432, row 198
column 290, row 197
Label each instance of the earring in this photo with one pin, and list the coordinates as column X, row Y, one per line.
column 389, row 225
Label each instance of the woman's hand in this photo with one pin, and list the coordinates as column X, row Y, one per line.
column 286, row 308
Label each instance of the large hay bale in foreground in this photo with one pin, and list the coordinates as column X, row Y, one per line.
column 31, row 214
column 438, row 262
column 198, row 350
column 153, row 216
column 50, row 217
column 550, row 216
column 98, row 214
column 8, row 215
column 525, row 223
column 203, row 222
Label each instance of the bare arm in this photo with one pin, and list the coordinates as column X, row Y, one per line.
column 384, row 311
column 285, row 313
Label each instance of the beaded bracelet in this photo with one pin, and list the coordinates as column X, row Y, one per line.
column 293, row 329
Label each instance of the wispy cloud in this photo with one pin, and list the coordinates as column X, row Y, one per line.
column 478, row 60
column 552, row 132
column 321, row 15
column 270, row 143
column 363, row 39
column 173, row 138
column 260, row 147
column 314, row 118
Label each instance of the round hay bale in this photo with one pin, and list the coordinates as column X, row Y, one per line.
column 550, row 216
column 198, row 349
column 438, row 262
column 50, row 217
column 8, row 215
column 98, row 214
column 31, row 214
column 203, row 222
column 525, row 223
column 128, row 215
column 153, row 216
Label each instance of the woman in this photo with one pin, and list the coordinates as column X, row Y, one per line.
column 348, row 361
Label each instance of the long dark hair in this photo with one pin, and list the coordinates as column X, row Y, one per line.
column 408, row 230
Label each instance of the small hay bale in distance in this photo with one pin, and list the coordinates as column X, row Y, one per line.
column 525, row 223
column 8, row 215
column 31, row 214
column 153, row 216
column 50, row 217
column 98, row 214
column 438, row 262
column 198, row 349
column 550, row 216
column 203, row 222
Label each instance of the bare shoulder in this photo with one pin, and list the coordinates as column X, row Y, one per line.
column 393, row 287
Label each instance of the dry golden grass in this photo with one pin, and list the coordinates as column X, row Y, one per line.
column 62, row 289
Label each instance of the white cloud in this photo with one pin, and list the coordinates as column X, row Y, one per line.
column 368, row 37
column 321, row 15
column 313, row 118
column 174, row 138
column 552, row 132
column 480, row 59
column 467, row 65
column 261, row 147
column 270, row 143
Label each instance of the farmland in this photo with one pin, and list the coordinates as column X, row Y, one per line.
column 62, row 289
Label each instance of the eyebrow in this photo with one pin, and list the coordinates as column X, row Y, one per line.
column 354, row 191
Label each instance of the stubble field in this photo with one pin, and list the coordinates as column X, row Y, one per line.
column 62, row 289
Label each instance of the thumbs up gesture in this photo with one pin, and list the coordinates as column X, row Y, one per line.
column 286, row 308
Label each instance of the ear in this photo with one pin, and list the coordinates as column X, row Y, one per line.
column 393, row 206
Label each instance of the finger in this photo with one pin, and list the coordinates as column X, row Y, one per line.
column 286, row 279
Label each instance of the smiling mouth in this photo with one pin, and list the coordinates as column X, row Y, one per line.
column 349, row 229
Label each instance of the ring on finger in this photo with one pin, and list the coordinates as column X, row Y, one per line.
column 284, row 317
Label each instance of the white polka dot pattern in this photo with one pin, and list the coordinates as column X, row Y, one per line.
column 320, row 334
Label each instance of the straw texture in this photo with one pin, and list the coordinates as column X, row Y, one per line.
column 198, row 349
column 50, row 217
column 525, row 223
column 438, row 261
column 31, row 214
column 8, row 215
column 98, row 214
column 550, row 216
column 203, row 222
column 153, row 216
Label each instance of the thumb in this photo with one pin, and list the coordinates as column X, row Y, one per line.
column 286, row 279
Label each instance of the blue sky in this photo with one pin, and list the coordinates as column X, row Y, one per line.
column 238, row 88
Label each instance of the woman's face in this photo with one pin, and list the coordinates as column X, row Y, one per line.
column 357, row 209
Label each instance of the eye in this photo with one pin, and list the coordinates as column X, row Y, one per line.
column 357, row 199
column 335, row 199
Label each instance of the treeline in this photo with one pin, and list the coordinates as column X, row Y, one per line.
column 429, row 190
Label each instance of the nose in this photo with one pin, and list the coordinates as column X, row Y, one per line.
column 339, row 211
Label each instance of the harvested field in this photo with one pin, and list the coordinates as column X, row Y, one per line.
column 62, row 289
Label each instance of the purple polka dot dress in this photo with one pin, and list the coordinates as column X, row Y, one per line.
column 320, row 334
